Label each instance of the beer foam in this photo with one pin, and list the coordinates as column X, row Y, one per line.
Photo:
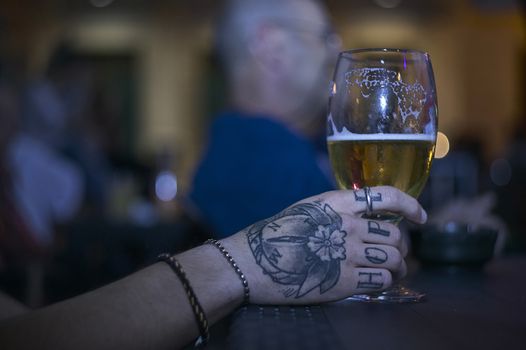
column 381, row 137
column 346, row 135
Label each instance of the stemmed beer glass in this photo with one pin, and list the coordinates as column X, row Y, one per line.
column 381, row 129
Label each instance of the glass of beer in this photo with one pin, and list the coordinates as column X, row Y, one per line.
column 381, row 128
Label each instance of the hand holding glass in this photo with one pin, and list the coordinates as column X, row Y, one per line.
column 381, row 128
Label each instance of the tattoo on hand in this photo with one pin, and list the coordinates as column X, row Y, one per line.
column 361, row 198
column 301, row 247
column 375, row 255
column 374, row 227
column 289, row 292
column 370, row 280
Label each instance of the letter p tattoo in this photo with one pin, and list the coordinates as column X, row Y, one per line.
column 374, row 227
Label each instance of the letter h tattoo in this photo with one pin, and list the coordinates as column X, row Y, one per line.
column 369, row 282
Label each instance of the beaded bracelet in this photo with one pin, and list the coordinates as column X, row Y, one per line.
column 199, row 314
column 246, row 290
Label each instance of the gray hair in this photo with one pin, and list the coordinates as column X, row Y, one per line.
column 241, row 19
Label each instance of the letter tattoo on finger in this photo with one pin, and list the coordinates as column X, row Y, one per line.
column 361, row 198
column 374, row 228
column 375, row 255
column 370, row 280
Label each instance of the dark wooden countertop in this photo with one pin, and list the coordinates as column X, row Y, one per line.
column 464, row 309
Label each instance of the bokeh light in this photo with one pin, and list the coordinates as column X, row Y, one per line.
column 166, row 186
column 442, row 145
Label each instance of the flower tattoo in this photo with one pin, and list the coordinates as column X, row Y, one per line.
column 301, row 247
column 326, row 244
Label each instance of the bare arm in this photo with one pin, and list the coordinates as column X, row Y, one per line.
column 147, row 310
column 9, row 307
column 314, row 251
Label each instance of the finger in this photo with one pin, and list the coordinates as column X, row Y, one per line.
column 386, row 198
column 383, row 198
column 375, row 255
column 401, row 273
column 369, row 280
column 373, row 231
column 404, row 246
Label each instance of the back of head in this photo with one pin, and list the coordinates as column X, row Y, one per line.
column 277, row 55
column 242, row 18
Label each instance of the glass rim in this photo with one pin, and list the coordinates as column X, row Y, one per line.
column 351, row 52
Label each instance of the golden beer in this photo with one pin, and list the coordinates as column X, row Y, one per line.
column 402, row 161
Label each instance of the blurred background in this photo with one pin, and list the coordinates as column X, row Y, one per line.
column 141, row 81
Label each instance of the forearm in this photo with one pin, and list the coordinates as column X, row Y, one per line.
column 148, row 309
column 317, row 250
column 9, row 307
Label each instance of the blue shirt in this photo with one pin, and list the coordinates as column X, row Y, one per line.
column 253, row 168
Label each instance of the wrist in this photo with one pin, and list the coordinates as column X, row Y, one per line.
column 235, row 267
column 215, row 283
column 262, row 289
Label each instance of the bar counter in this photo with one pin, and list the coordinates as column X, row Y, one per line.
column 482, row 308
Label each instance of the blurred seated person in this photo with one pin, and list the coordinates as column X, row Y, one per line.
column 261, row 155
column 80, row 138
column 38, row 187
column 476, row 212
column 48, row 187
column 457, row 191
column 151, row 309
column 17, row 243
column 508, row 176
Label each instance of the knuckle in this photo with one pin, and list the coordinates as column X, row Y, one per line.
column 392, row 196
column 396, row 259
column 351, row 226
column 388, row 278
column 385, row 189
column 398, row 197
column 415, row 206
column 396, row 235
column 353, row 256
column 405, row 248
column 403, row 270
column 329, row 194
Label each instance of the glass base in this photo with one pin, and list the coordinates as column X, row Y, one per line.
column 394, row 295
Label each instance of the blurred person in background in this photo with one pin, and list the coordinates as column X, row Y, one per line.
column 457, row 191
column 56, row 194
column 19, row 246
column 17, row 243
column 508, row 175
column 69, row 79
column 38, row 186
column 262, row 154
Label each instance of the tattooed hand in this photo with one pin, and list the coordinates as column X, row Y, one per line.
column 320, row 249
